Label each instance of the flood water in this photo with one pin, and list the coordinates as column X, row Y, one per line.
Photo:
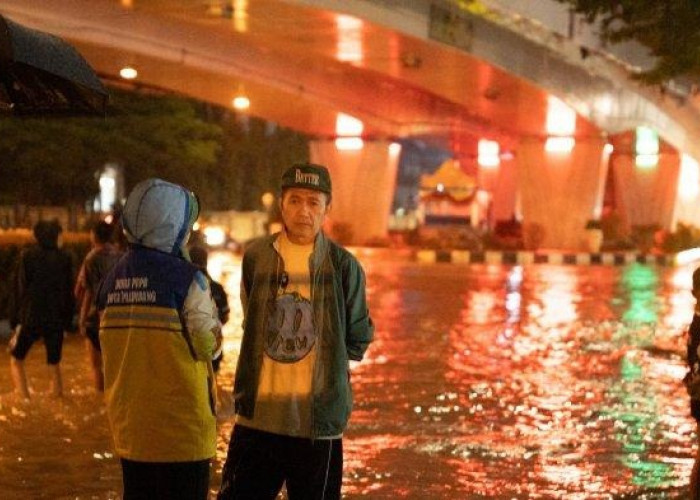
column 483, row 382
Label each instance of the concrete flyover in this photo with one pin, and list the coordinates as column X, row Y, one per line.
column 389, row 69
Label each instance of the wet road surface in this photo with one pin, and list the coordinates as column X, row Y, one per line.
column 483, row 382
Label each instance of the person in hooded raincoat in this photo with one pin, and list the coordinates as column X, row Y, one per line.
column 159, row 332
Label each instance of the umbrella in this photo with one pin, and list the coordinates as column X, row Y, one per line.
column 41, row 74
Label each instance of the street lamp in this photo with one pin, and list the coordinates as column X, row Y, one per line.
column 128, row 73
column 267, row 199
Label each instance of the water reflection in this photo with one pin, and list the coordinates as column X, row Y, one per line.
column 534, row 382
column 484, row 381
column 639, row 284
column 680, row 300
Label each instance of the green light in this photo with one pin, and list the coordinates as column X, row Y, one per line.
column 630, row 370
column 647, row 147
column 647, row 141
column 649, row 474
column 640, row 282
column 637, row 414
column 646, row 161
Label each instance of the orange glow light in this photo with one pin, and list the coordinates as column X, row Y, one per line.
column 349, row 45
column 559, row 144
column 128, row 73
column 561, row 119
column 689, row 179
column 489, row 153
column 240, row 16
column 349, row 143
column 347, row 125
column 349, row 129
column 241, row 102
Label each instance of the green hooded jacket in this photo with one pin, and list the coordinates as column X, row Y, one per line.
column 341, row 318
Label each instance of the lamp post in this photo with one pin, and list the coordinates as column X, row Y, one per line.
column 267, row 199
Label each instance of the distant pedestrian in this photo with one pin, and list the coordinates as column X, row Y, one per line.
column 97, row 264
column 305, row 319
column 692, row 380
column 41, row 305
column 200, row 258
column 158, row 333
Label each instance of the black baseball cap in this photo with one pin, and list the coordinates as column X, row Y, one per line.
column 308, row 176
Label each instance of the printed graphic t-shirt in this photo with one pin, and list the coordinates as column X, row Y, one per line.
column 283, row 405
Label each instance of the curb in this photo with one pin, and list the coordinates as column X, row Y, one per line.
column 517, row 257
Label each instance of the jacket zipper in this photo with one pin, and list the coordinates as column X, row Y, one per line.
column 312, row 272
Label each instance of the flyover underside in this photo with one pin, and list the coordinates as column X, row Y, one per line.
column 477, row 76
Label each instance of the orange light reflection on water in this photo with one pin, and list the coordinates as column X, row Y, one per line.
column 520, row 382
column 483, row 381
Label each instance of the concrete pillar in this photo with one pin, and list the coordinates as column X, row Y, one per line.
column 501, row 182
column 559, row 191
column 363, row 186
column 687, row 208
column 646, row 196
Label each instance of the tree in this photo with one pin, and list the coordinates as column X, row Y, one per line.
column 159, row 136
column 253, row 157
column 56, row 161
column 228, row 162
column 669, row 28
column 44, row 162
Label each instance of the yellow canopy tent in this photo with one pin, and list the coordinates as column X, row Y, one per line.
column 448, row 181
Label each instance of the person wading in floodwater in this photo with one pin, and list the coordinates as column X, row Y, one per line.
column 305, row 317
column 95, row 267
column 41, row 305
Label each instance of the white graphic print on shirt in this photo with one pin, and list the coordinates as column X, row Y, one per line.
column 290, row 330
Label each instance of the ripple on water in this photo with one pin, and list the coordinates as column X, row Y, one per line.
column 484, row 382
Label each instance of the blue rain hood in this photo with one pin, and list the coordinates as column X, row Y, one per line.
column 159, row 214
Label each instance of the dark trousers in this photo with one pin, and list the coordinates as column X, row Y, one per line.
column 259, row 463
column 165, row 480
column 23, row 340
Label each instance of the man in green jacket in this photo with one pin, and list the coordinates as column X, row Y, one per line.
column 305, row 319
